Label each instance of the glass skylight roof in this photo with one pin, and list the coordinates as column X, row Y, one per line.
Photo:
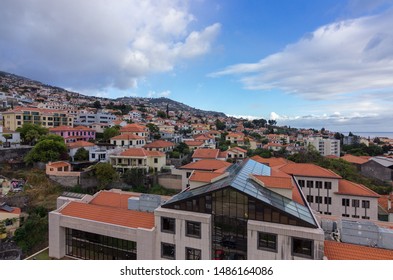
column 239, row 179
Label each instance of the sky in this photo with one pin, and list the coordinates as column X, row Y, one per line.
column 303, row 63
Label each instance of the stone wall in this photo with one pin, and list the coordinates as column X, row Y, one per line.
column 84, row 179
column 170, row 181
column 14, row 154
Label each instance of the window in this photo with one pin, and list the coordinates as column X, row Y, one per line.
column 267, row 241
column 366, row 217
column 193, row 229
column 328, row 185
column 318, row 199
column 188, row 174
column 302, row 247
column 155, row 160
column 18, row 117
column 193, row 254
column 328, row 213
column 8, row 222
column 328, row 200
column 301, row 183
column 310, row 199
column 168, row 251
column 345, row 215
column 318, row 184
column 345, row 202
column 365, row 204
column 355, row 203
column 355, row 216
column 310, row 184
column 168, row 225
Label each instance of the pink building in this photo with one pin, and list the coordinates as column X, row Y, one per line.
column 73, row 134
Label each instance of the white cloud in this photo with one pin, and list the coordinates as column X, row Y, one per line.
column 152, row 93
column 98, row 44
column 340, row 58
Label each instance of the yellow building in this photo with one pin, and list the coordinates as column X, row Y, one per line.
column 45, row 117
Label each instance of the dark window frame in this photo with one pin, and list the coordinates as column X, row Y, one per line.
column 268, row 238
column 193, row 229
column 164, row 254
column 194, row 254
column 302, row 254
column 166, row 227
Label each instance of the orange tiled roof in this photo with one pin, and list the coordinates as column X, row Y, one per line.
column 127, row 137
column 351, row 188
column 354, row 159
column 206, row 164
column 275, row 182
column 206, row 153
column 15, row 210
column 111, row 199
column 297, row 197
column 383, row 201
column 237, row 149
column 308, row 170
column 80, row 144
column 109, row 215
column 193, row 143
column 58, row 164
column 159, row 144
column 19, row 109
column 204, row 176
column 344, row 251
column 140, row 152
column 133, row 128
column 272, row 162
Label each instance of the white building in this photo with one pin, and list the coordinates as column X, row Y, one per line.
column 233, row 218
column 325, row 147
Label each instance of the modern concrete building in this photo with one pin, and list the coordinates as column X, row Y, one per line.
column 232, row 218
column 48, row 118
column 325, row 147
column 88, row 118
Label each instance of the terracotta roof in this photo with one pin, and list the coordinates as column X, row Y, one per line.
column 297, row 197
column 206, row 153
column 354, row 159
column 332, row 156
column 192, row 143
column 275, row 182
column 79, row 144
column 110, row 215
column 15, row 210
column 351, row 188
column 127, row 137
column 159, row 144
column 222, row 154
column 133, row 128
column 237, row 149
column 140, row 152
column 205, row 176
column 272, row 162
column 206, row 164
column 308, row 170
column 111, row 199
column 19, row 109
column 383, row 202
column 58, row 164
column 344, row 251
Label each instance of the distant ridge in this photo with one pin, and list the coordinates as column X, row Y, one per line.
column 161, row 103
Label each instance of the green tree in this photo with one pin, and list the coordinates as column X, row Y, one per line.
column 110, row 132
column 134, row 177
column 81, row 155
column 272, row 122
column 30, row 133
column 105, row 174
column 182, row 148
column 33, row 234
column 48, row 148
column 97, row 104
column 220, row 125
column 161, row 114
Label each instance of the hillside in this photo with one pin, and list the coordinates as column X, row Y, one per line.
column 13, row 85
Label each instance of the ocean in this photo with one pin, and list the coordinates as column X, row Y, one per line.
column 371, row 134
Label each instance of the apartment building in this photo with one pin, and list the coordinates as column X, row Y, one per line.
column 329, row 194
column 74, row 134
column 325, row 147
column 48, row 118
column 232, row 218
column 88, row 118
column 138, row 158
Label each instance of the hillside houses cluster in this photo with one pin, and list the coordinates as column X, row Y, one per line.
column 230, row 205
